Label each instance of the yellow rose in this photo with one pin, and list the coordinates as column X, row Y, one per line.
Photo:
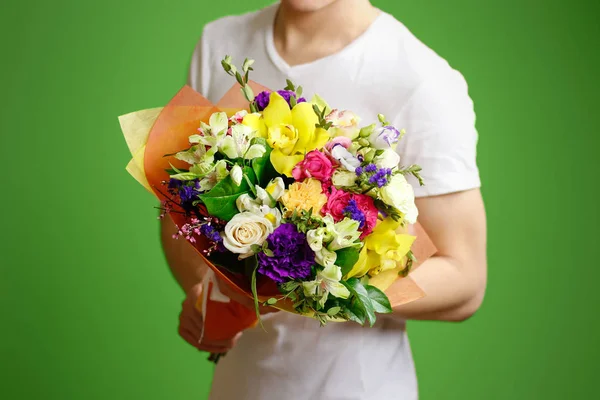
column 304, row 196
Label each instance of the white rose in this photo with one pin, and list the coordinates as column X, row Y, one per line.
column 245, row 230
column 388, row 159
column 399, row 194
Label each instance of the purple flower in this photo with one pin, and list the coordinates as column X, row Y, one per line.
column 213, row 235
column 188, row 191
column 358, row 171
column 292, row 256
column 262, row 99
column 384, row 137
column 379, row 178
column 352, row 211
column 371, row 168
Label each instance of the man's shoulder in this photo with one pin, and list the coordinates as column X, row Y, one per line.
column 236, row 27
column 415, row 58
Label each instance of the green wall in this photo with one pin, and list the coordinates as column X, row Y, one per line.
column 89, row 309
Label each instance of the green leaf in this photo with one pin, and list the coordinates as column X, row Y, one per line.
column 262, row 167
column 346, row 258
column 333, row 311
column 360, row 295
column 355, row 312
column 268, row 252
column 220, row 200
column 272, row 301
column 380, row 301
column 222, row 207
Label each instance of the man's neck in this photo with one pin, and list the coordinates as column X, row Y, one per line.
column 304, row 37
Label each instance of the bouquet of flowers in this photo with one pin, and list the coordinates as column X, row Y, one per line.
column 289, row 201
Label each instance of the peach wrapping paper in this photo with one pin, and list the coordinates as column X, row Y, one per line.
column 150, row 134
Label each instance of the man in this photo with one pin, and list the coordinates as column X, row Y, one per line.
column 362, row 59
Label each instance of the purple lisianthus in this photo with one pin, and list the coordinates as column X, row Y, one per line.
column 292, row 256
column 262, row 99
column 352, row 211
column 384, row 137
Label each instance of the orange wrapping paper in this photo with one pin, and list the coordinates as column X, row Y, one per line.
column 178, row 120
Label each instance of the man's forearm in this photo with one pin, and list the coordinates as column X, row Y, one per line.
column 450, row 295
column 185, row 263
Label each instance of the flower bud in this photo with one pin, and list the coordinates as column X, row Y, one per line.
column 366, row 131
column 248, row 93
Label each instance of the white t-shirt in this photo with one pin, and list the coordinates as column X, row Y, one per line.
column 386, row 70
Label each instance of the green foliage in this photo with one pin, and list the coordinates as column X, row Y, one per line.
column 220, row 200
column 346, row 258
column 262, row 167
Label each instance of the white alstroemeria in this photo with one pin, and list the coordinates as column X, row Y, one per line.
column 343, row 178
column 388, row 159
column 245, row 203
column 276, row 188
column 238, row 144
column 245, row 230
column 327, row 282
column 237, row 174
column 347, row 159
column 238, row 117
column 210, row 173
column 213, row 133
column 272, row 214
column 271, row 193
column 315, row 237
column 317, row 240
column 345, row 233
column 344, row 123
column 399, row 194
column 325, row 257
column 195, row 155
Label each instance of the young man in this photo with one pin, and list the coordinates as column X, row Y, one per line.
column 362, row 59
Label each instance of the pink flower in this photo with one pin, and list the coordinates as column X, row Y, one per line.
column 337, row 201
column 367, row 206
column 341, row 140
column 315, row 165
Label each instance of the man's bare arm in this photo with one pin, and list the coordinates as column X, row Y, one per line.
column 455, row 278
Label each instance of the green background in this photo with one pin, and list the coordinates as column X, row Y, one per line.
column 89, row 309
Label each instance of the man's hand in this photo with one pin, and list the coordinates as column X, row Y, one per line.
column 190, row 325
column 190, row 319
column 244, row 300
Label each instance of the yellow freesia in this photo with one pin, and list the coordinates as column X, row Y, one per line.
column 383, row 250
column 291, row 133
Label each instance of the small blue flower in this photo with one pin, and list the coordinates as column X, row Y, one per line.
column 352, row 211
column 371, row 168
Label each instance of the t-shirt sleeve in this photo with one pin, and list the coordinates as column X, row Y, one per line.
column 198, row 73
column 441, row 137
